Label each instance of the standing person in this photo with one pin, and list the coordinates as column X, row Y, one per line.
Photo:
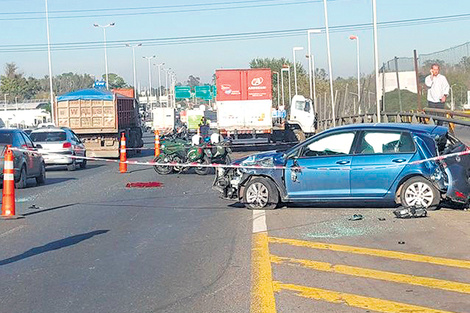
column 438, row 89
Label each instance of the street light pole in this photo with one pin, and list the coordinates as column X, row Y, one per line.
column 51, row 91
column 159, row 66
column 353, row 37
column 376, row 60
column 329, row 64
column 311, row 66
column 282, row 85
column 133, row 64
column 5, row 97
column 105, row 49
column 295, row 66
column 277, row 73
column 150, row 77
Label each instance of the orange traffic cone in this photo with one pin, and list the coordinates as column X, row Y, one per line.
column 8, row 201
column 157, row 143
column 123, row 155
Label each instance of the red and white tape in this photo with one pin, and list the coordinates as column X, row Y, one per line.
column 254, row 166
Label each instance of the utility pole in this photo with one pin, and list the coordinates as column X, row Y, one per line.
column 398, row 84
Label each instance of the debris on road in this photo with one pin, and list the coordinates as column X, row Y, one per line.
column 154, row 184
column 410, row 212
column 34, row 207
column 401, row 242
column 356, row 217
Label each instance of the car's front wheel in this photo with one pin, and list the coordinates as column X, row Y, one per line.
column 260, row 194
column 419, row 192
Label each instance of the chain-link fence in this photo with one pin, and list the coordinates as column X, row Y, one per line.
column 399, row 85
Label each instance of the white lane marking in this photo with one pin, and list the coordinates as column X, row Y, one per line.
column 11, row 231
column 259, row 221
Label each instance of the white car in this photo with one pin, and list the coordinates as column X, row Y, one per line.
column 59, row 145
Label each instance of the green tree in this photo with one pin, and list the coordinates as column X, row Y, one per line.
column 115, row 81
column 194, row 81
column 13, row 82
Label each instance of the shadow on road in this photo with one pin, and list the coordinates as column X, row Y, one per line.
column 62, row 168
column 55, row 245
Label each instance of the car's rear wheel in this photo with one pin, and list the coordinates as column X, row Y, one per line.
column 260, row 194
column 72, row 166
column 41, row 179
column 21, row 183
column 83, row 164
column 419, row 192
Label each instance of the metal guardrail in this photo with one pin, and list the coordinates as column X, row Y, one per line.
column 437, row 116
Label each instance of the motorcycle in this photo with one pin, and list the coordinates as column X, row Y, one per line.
column 175, row 150
column 178, row 151
column 219, row 152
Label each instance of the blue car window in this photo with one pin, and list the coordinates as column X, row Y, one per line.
column 373, row 142
column 335, row 144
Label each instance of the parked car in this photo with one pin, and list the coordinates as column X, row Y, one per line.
column 28, row 164
column 58, row 145
column 355, row 162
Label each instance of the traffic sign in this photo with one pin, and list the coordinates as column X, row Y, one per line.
column 183, row 92
column 203, row 92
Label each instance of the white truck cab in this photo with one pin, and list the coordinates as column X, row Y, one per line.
column 302, row 117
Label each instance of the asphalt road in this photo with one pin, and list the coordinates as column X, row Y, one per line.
column 95, row 245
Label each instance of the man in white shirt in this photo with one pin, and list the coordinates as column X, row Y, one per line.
column 438, row 88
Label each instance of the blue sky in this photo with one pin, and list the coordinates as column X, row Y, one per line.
column 204, row 17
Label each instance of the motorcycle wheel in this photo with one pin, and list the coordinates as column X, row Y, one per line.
column 178, row 169
column 204, row 170
column 228, row 160
column 162, row 169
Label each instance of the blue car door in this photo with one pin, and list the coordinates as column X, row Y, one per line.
column 379, row 159
column 322, row 168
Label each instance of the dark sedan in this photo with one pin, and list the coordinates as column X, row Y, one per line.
column 28, row 163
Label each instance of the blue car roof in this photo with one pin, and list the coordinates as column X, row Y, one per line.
column 422, row 128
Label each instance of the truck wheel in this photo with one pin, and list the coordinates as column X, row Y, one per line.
column 418, row 191
column 162, row 169
column 299, row 134
column 260, row 194
column 204, row 170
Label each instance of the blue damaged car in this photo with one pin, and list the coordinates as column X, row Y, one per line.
column 409, row 164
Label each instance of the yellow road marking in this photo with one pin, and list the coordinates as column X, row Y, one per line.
column 374, row 252
column 262, row 292
column 372, row 304
column 375, row 274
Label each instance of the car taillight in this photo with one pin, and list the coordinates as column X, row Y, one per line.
column 67, row 145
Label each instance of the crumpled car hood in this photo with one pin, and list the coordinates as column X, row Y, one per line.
column 269, row 158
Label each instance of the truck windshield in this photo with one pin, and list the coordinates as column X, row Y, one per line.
column 48, row 136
